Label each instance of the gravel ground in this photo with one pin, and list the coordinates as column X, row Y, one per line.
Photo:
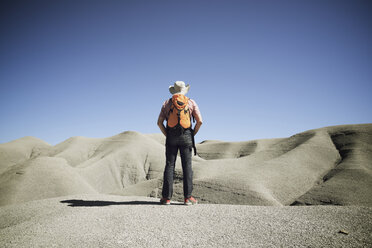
column 114, row 221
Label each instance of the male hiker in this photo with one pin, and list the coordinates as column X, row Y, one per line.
column 178, row 112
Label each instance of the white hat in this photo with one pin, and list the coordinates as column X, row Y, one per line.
column 179, row 88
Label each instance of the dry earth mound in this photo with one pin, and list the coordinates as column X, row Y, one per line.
column 20, row 150
column 350, row 181
column 322, row 166
column 78, row 165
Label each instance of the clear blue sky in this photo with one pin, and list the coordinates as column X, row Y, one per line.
column 257, row 69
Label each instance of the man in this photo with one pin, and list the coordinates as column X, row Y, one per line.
column 178, row 112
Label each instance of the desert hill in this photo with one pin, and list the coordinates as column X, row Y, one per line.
column 322, row 166
column 20, row 150
column 78, row 165
column 330, row 165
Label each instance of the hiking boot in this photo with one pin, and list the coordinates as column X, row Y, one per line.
column 190, row 201
column 164, row 201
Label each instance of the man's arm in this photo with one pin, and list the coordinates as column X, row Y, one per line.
column 197, row 126
column 196, row 114
column 161, row 125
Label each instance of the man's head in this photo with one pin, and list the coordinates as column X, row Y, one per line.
column 179, row 88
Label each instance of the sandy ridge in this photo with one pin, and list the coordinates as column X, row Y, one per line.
column 321, row 166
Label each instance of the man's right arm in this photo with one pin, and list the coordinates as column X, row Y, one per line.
column 162, row 116
column 197, row 126
column 197, row 115
column 161, row 125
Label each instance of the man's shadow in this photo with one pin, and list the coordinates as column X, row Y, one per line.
column 85, row 203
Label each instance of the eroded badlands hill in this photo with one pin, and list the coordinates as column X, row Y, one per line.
column 331, row 165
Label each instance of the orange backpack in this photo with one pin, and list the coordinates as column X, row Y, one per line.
column 179, row 113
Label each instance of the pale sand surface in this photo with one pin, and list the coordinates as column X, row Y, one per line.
column 114, row 221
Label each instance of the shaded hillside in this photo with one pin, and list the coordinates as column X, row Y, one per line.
column 79, row 165
column 350, row 181
column 20, row 150
column 323, row 166
column 276, row 175
column 219, row 150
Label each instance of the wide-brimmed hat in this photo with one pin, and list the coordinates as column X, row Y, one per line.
column 179, row 88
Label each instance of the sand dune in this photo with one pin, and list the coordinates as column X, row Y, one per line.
column 329, row 165
column 276, row 175
column 220, row 150
column 40, row 178
column 322, row 166
column 20, row 150
column 350, row 181
column 79, row 165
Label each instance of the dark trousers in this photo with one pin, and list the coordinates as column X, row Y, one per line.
column 183, row 143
